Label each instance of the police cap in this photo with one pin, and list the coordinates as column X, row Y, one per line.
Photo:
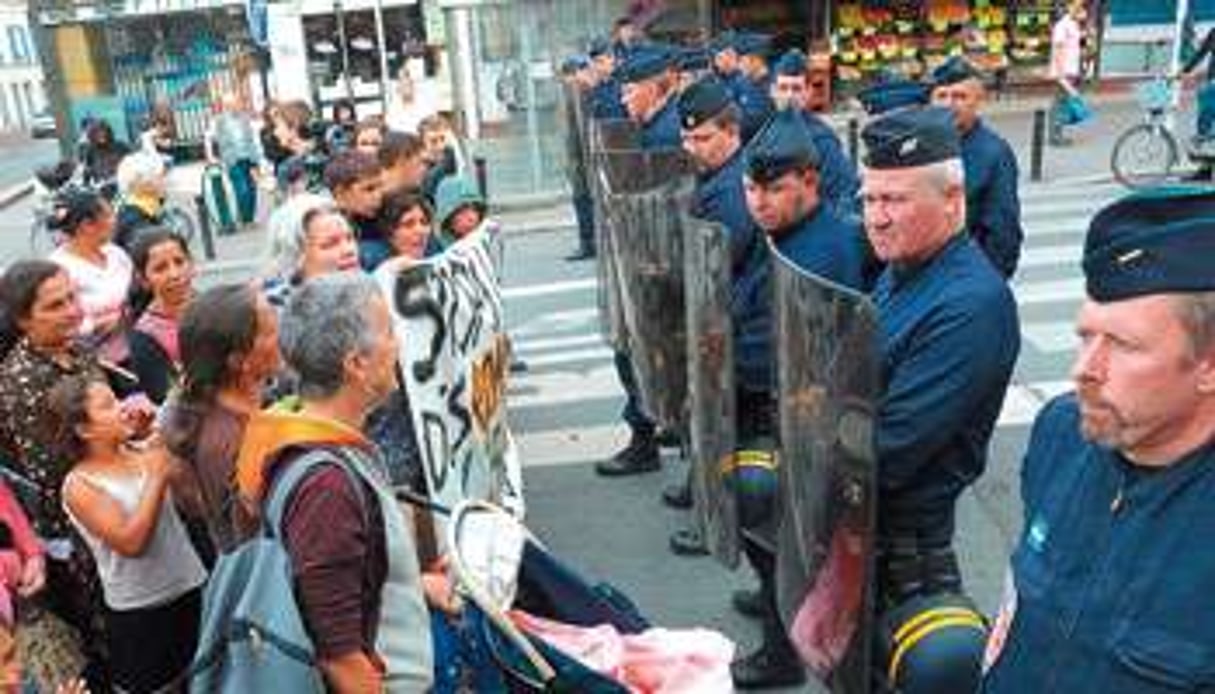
column 910, row 137
column 792, row 63
column 599, row 46
column 701, row 101
column 645, row 62
column 784, row 144
column 1151, row 243
column 956, row 69
column 890, row 91
column 722, row 42
column 752, row 43
column 574, row 63
column 693, row 59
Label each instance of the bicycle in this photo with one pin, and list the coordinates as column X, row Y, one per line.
column 1148, row 153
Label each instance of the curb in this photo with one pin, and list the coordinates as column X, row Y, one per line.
column 12, row 194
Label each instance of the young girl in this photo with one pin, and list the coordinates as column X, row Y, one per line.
column 165, row 271
column 117, row 497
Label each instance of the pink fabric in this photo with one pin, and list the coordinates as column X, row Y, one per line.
column 162, row 329
column 666, row 661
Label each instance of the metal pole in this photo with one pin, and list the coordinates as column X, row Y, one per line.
column 382, row 41
column 1036, row 144
column 1183, row 12
column 340, row 14
column 854, row 140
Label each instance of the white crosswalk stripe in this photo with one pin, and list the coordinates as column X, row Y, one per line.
column 570, row 364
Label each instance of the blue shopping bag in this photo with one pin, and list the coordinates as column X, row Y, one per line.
column 1073, row 110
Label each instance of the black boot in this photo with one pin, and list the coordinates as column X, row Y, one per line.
column 641, row 455
column 773, row 665
column 678, row 496
column 688, row 543
column 749, row 603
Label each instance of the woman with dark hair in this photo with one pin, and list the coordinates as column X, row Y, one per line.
column 100, row 271
column 229, row 349
column 408, row 219
column 165, row 273
column 340, row 133
column 40, row 318
column 101, row 156
column 368, row 135
column 117, row 496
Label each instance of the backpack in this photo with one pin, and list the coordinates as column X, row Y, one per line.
column 251, row 634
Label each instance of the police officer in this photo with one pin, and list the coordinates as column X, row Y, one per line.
column 781, row 184
column 790, row 89
column 993, row 212
column 725, row 58
column 711, row 130
column 649, row 99
column 692, row 64
column 949, row 340
column 751, row 89
column 889, row 91
column 1111, row 581
column 577, row 81
column 605, row 95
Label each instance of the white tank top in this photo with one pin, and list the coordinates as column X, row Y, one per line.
column 168, row 567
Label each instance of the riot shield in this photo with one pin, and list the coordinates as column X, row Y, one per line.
column 648, row 255
column 711, row 404
column 826, row 342
column 607, row 136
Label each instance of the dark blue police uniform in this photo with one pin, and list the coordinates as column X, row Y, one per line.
column 993, row 210
column 661, row 131
column 838, row 184
column 605, row 100
column 719, row 197
column 1112, row 578
column 755, row 99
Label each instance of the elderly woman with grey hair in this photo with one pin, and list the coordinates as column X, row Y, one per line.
column 357, row 577
column 308, row 237
column 142, row 182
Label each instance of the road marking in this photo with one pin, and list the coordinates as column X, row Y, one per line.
column 525, row 348
column 1048, row 291
column 558, row 321
column 562, row 387
column 528, row 291
column 1052, row 337
column 1049, row 256
column 576, row 446
column 571, row 356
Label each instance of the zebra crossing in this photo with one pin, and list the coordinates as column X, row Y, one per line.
column 565, row 407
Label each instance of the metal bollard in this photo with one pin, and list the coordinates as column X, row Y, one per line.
column 1036, row 144
column 854, row 130
column 204, row 227
column 482, row 176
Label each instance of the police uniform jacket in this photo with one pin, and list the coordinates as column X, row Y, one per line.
column 838, row 183
column 1114, row 571
column 993, row 211
column 823, row 244
column 949, row 339
column 719, row 197
column 661, row 131
column 606, row 102
column 755, row 101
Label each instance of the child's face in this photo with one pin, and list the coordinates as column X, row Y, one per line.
column 361, row 198
column 464, row 221
column 106, row 421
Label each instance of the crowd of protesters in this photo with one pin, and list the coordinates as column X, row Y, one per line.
column 144, row 421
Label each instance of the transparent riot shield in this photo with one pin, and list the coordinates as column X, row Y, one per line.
column 607, row 136
column 826, row 342
column 648, row 253
column 711, row 416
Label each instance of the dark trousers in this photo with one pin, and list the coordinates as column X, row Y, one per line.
column 245, row 190
column 633, row 413
column 584, row 211
column 152, row 647
column 763, row 561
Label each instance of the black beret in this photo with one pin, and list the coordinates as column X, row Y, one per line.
column 722, row 42
column 793, row 63
column 702, row 100
column 1152, row 243
column 910, row 137
column 956, row 69
column 645, row 62
column 599, row 46
column 693, row 59
column 889, row 91
column 574, row 63
column 784, row 144
column 752, row 43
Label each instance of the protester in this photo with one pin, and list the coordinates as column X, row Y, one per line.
column 339, row 136
column 22, row 574
column 117, row 496
column 308, row 237
column 410, row 235
column 367, row 135
column 949, row 340
column 142, row 180
column 101, row 155
column 353, row 177
column 993, row 212
column 440, row 152
column 272, row 147
column 402, row 163
column 41, row 318
column 1113, row 569
column 352, row 550
column 459, row 209
column 165, row 271
column 409, row 103
column 232, row 141
column 101, row 272
column 229, row 352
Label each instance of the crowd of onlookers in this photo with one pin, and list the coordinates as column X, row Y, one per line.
column 134, row 435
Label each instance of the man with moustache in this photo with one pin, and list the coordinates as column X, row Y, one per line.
column 1111, row 582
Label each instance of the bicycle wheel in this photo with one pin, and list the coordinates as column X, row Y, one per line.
column 1144, row 156
column 180, row 221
